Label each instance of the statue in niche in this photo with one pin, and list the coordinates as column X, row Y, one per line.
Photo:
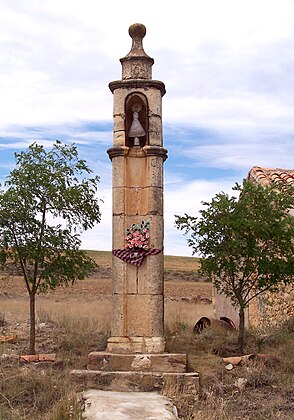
column 136, row 130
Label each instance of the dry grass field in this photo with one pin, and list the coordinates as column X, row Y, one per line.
column 76, row 320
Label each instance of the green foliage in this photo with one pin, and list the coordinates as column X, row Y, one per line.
column 246, row 243
column 48, row 200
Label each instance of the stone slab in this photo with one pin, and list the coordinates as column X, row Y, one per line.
column 130, row 345
column 135, row 381
column 165, row 362
column 102, row 405
column 137, row 315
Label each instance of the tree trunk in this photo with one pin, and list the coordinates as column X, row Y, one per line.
column 241, row 330
column 32, row 348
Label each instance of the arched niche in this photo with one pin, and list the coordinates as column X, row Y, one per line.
column 136, row 122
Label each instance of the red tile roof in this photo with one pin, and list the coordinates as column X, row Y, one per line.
column 267, row 176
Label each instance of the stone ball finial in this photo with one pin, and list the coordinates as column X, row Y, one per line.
column 137, row 31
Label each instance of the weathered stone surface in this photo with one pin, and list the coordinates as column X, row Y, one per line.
column 131, row 279
column 136, row 172
column 119, row 139
column 118, row 231
column 155, row 171
column 133, row 381
column 111, row 405
column 145, row 315
column 156, row 231
column 164, row 362
column 135, row 344
column 118, row 172
column 272, row 308
column 155, row 201
column 155, row 123
column 119, row 319
column 119, row 122
column 136, row 69
column 155, row 138
column 118, row 201
column 119, row 96
column 119, row 283
column 137, row 202
column 155, row 101
column 137, row 315
column 150, row 275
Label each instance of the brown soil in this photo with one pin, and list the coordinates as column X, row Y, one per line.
column 101, row 284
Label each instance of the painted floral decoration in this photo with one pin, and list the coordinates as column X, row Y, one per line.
column 137, row 236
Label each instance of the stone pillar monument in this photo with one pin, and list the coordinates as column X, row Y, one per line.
column 135, row 359
column 137, row 159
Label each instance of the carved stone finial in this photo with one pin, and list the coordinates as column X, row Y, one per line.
column 137, row 31
column 137, row 64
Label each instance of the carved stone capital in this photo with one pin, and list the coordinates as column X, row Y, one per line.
column 155, row 151
column 117, row 151
column 137, row 84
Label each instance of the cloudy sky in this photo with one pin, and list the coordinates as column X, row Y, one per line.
column 228, row 67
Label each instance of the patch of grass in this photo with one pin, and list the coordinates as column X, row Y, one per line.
column 44, row 390
column 259, row 389
column 69, row 408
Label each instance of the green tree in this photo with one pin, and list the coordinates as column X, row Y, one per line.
column 246, row 243
column 48, row 200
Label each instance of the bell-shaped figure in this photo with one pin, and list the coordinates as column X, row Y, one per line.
column 136, row 130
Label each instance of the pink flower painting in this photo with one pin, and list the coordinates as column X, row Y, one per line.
column 137, row 236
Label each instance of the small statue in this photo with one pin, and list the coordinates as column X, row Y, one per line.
column 136, row 131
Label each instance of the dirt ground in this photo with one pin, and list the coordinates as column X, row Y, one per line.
column 100, row 284
column 91, row 299
column 70, row 321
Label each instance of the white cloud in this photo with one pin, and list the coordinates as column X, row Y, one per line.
column 57, row 60
column 187, row 198
column 228, row 67
column 100, row 237
column 24, row 144
column 244, row 155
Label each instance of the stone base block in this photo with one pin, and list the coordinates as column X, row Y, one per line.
column 136, row 381
column 135, row 345
column 164, row 362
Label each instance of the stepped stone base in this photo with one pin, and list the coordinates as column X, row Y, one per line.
column 137, row 372
column 147, row 362
column 136, row 381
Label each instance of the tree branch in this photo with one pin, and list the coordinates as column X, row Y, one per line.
column 9, row 403
column 37, row 258
column 23, row 267
column 259, row 293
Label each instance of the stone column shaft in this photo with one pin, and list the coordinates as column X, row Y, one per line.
column 137, row 322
